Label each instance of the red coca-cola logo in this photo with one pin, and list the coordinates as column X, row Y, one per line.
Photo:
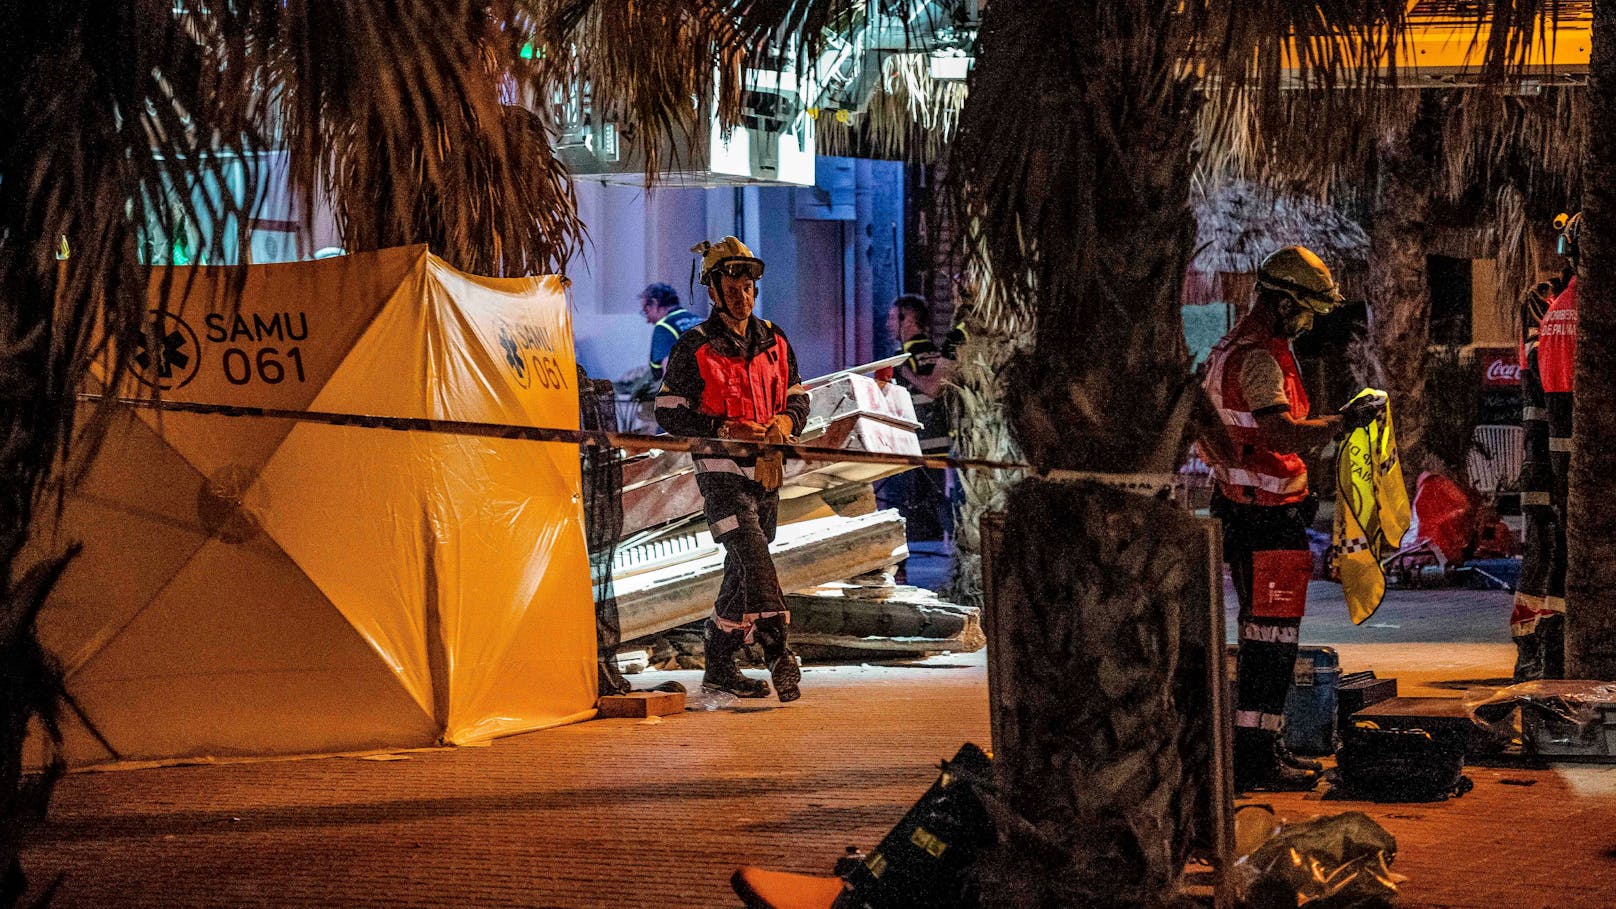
column 1500, row 369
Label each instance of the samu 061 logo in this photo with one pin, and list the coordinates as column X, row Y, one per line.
column 529, row 353
column 167, row 354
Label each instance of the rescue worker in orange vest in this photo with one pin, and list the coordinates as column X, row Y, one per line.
column 1533, row 593
column 1557, row 360
column 1263, row 501
column 734, row 376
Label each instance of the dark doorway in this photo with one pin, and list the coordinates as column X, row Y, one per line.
column 1451, row 294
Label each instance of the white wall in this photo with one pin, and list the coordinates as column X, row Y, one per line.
column 829, row 282
column 809, row 289
column 634, row 240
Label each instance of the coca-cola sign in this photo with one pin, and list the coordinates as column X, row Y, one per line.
column 1499, row 369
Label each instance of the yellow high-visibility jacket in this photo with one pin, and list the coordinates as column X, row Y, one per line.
column 1371, row 511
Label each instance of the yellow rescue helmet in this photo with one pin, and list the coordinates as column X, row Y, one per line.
column 1569, row 241
column 729, row 256
column 1300, row 274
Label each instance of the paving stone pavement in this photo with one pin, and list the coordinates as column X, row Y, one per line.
column 620, row 813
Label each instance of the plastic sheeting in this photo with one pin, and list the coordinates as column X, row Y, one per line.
column 1576, row 703
column 1338, row 861
column 259, row 587
column 1444, row 517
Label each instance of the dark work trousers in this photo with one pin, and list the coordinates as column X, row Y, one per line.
column 1269, row 561
column 742, row 516
column 1551, row 629
column 1543, row 532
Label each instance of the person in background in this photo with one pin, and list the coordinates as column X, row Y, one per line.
column 1537, row 506
column 924, row 372
column 659, row 303
column 921, row 493
column 1556, row 371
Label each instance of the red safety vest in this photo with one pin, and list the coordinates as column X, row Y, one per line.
column 1256, row 474
column 737, row 388
column 1557, row 342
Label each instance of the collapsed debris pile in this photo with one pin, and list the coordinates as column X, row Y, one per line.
column 834, row 551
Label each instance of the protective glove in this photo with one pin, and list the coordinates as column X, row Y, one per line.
column 770, row 471
column 1360, row 412
column 742, row 430
column 771, row 466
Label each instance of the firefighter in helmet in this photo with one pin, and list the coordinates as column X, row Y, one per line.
column 734, row 376
column 1263, row 500
column 1556, row 373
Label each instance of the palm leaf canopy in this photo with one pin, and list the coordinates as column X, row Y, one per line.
column 1240, row 223
column 426, row 121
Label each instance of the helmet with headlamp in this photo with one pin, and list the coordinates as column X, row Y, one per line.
column 1298, row 273
column 728, row 256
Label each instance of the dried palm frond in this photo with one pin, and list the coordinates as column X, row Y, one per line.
column 1491, row 137
column 1514, row 239
column 911, row 115
column 1239, row 223
column 399, row 113
column 118, row 125
column 1317, row 144
column 998, row 334
column 908, row 115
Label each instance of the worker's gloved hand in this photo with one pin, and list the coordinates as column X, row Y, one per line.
column 1360, row 412
column 771, row 465
column 770, row 471
column 742, row 431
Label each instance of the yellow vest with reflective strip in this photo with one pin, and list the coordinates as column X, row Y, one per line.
column 1371, row 511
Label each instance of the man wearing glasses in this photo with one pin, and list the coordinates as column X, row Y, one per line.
column 735, row 376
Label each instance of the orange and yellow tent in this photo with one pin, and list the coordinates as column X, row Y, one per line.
column 254, row 587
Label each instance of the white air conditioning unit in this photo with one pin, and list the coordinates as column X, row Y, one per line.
column 773, row 145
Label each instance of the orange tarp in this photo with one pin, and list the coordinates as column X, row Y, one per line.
column 260, row 587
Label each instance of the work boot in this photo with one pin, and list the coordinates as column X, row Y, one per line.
column 1551, row 638
column 1528, row 657
column 1293, row 760
column 608, row 678
column 1257, row 765
column 770, row 633
column 722, row 674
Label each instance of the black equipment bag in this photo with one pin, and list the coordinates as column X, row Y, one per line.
column 1401, row 765
column 925, row 862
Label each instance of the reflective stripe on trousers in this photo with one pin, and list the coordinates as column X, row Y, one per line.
column 1255, row 719
column 724, row 465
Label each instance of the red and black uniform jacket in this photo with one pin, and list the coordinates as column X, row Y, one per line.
column 1254, row 473
column 714, row 375
column 1557, row 343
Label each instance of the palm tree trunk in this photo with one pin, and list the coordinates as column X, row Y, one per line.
column 1075, row 160
column 1591, row 527
column 1400, row 294
column 1103, row 728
